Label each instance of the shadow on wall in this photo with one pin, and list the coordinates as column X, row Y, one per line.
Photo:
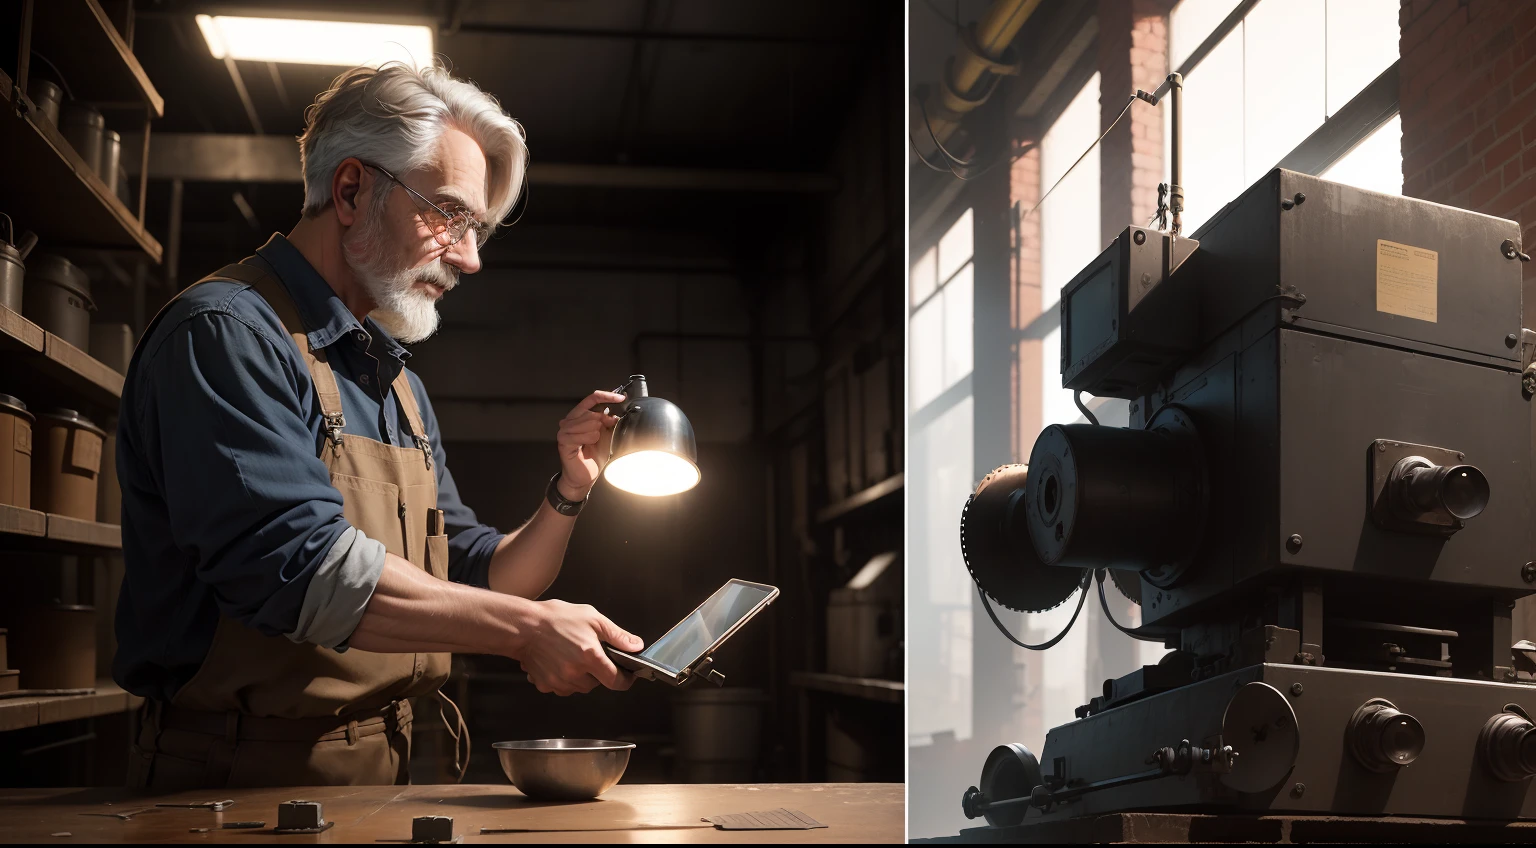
column 644, row 563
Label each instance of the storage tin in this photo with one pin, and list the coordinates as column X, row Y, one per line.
column 58, row 299
column 15, row 455
column 83, row 126
column 67, row 464
column 46, row 96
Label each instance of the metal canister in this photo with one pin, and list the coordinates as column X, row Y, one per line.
column 67, row 464
column 83, row 126
column 46, row 96
column 15, row 454
column 58, row 299
column 111, row 155
column 12, row 272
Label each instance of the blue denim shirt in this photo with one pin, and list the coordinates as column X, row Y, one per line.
column 226, row 506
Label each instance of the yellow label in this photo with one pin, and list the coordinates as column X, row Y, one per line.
column 1407, row 281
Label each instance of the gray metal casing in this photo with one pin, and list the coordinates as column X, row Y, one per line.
column 1446, row 780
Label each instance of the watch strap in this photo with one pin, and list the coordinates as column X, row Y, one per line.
column 560, row 503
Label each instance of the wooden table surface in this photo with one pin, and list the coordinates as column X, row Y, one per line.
column 854, row 812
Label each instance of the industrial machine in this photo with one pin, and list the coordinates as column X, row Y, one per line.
column 1324, row 503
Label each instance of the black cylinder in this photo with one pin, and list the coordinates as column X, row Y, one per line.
column 1106, row 497
column 1455, row 491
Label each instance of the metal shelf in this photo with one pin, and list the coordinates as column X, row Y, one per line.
column 867, row 688
column 885, row 488
column 29, row 529
column 33, row 710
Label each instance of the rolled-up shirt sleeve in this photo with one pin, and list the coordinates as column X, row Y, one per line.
column 245, row 492
column 470, row 543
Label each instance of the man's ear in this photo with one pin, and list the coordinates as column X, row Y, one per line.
column 346, row 187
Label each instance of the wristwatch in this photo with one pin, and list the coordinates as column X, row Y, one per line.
column 561, row 503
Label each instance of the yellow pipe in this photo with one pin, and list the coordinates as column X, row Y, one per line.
column 958, row 94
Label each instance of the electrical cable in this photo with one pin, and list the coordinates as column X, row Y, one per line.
column 1134, row 633
column 951, row 160
column 1077, row 398
column 1080, row 159
column 1082, row 596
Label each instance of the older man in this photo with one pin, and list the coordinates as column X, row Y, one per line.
column 298, row 561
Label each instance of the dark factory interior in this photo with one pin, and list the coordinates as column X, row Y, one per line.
column 715, row 201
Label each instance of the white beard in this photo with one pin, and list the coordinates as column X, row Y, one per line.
column 406, row 314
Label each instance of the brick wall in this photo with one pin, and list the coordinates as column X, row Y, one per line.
column 1468, row 99
column 1133, row 53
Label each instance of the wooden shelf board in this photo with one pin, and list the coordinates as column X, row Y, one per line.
column 78, row 36
column 54, row 194
column 868, row 688
column 55, row 372
column 29, row 529
column 22, row 522
column 91, row 534
column 31, row 711
column 881, row 490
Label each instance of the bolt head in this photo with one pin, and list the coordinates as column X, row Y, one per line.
column 1300, row 198
column 1296, row 689
column 1528, row 572
column 1139, row 237
column 1299, row 789
column 1511, row 340
column 1287, row 204
column 1293, row 544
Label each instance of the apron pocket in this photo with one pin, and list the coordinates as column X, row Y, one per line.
column 437, row 556
column 373, row 507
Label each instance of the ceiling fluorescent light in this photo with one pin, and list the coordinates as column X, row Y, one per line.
column 312, row 42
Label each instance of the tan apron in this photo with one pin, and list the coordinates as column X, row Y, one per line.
column 266, row 711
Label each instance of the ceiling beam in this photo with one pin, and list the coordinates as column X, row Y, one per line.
column 208, row 157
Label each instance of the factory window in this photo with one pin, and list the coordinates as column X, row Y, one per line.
column 941, row 314
column 942, row 462
column 1263, row 79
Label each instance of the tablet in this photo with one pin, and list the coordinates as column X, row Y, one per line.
column 684, row 652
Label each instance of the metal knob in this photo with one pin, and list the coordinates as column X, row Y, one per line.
column 1383, row 738
column 1507, row 745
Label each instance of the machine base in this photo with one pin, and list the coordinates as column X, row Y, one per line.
column 1150, row 828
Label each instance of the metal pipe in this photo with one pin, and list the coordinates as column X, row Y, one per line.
column 972, row 71
column 1176, row 146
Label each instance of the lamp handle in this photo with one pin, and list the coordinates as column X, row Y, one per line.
column 633, row 389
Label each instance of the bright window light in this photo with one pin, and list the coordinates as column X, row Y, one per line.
column 652, row 473
column 309, row 42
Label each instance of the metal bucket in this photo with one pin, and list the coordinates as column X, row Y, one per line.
column 15, row 454
column 111, row 156
column 46, row 97
column 66, row 465
column 12, row 273
column 58, row 299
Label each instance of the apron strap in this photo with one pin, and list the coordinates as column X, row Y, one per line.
column 458, row 731
column 402, row 389
column 326, row 390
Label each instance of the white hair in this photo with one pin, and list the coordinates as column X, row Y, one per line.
column 393, row 116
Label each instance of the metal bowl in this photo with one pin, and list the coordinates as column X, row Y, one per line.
column 564, row 769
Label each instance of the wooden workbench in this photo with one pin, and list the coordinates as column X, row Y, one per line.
column 854, row 812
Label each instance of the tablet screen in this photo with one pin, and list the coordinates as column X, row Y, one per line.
column 684, row 644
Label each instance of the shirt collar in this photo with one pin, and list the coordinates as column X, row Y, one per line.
column 318, row 305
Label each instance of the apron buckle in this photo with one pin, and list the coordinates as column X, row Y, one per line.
column 333, row 424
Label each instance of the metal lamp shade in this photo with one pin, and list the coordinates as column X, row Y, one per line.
column 654, row 452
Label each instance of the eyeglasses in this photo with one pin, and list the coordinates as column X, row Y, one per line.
column 449, row 225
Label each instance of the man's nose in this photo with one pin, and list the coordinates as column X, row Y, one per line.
column 465, row 255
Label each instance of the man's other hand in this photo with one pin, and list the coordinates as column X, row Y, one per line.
column 584, row 440
column 564, row 651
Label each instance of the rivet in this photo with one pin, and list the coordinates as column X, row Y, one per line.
column 1381, row 447
column 1287, row 204
column 1293, row 544
column 1511, row 340
column 1299, row 789
column 1300, row 198
column 1296, row 689
column 1140, row 237
column 1528, row 572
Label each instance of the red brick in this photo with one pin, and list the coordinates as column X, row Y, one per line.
column 1501, row 152
column 1425, row 23
column 1511, row 172
column 1511, row 198
column 1481, row 195
column 1481, row 140
column 1466, row 178
column 1513, row 115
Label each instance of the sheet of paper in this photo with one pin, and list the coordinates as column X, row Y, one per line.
column 780, row 819
column 1407, row 281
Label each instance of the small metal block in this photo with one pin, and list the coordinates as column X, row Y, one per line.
column 1293, row 544
column 299, row 815
column 432, row 829
column 1296, row 689
column 1528, row 572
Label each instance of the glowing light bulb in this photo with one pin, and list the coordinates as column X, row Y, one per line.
column 652, row 473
